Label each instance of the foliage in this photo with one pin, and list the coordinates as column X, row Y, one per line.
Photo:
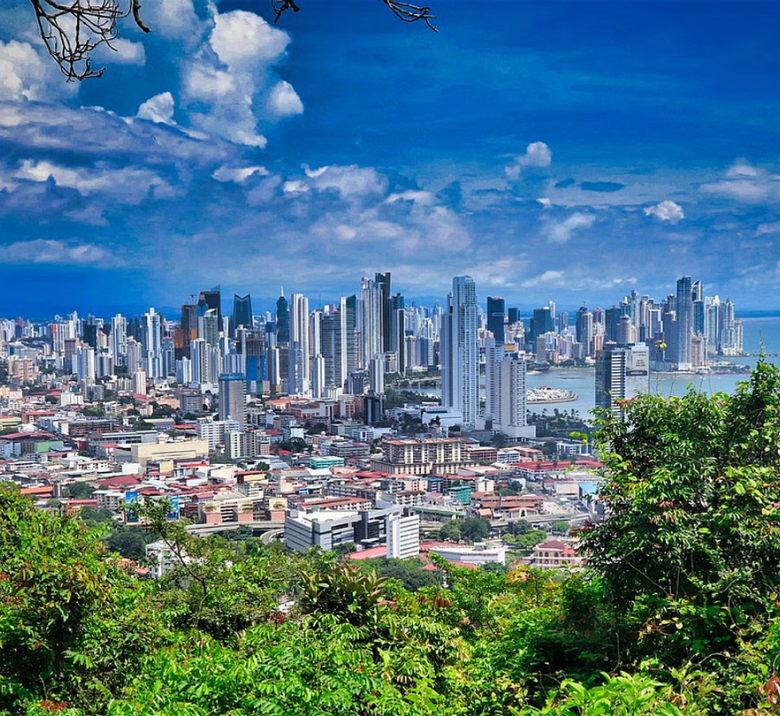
column 80, row 490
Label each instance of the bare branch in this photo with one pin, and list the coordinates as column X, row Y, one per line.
column 280, row 6
column 73, row 29
column 411, row 13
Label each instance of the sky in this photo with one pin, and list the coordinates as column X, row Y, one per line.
column 572, row 151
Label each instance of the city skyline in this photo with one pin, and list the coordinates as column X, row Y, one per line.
column 624, row 146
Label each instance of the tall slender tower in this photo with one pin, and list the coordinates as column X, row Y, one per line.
column 495, row 318
column 684, row 322
column 460, row 354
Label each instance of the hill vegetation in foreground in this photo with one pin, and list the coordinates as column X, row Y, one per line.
column 676, row 613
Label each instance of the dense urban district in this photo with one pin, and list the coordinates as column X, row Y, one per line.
column 277, row 514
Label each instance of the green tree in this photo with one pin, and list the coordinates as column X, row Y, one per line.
column 450, row 531
column 80, row 490
column 474, row 530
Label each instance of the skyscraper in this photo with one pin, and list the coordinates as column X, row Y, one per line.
column 459, row 351
column 684, row 322
column 282, row 320
column 495, row 318
column 242, row 313
column 299, row 378
column 622, row 373
column 211, row 300
column 232, row 398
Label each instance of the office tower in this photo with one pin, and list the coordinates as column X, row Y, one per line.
column 118, row 339
column 299, row 378
column 712, row 324
column 90, row 331
column 684, row 322
column 352, row 340
column 85, row 363
column 494, row 353
column 318, row 376
column 397, row 330
column 611, row 324
column 584, row 330
column 459, row 351
column 622, row 373
column 242, row 313
column 334, row 345
column 541, row 323
column 730, row 330
column 151, row 342
column 208, row 327
column 626, row 332
column 563, row 322
column 232, row 398
column 382, row 283
column 369, row 321
column 210, row 300
column 184, row 372
column 512, row 316
column 282, row 320
column 376, row 375
column 168, row 357
column 188, row 330
column 495, row 318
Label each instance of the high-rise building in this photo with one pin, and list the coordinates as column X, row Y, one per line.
column 299, row 378
column 510, row 413
column 622, row 373
column 282, row 320
column 584, row 330
column 242, row 313
column 210, row 300
column 460, row 353
column 541, row 323
column 232, row 398
column 151, row 341
column 119, row 339
column 495, row 318
column 684, row 323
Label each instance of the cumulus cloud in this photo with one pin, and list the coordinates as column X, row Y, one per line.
column 348, row 181
column 158, row 109
column 130, row 185
column 26, row 75
column 559, row 232
column 121, row 52
column 666, row 211
column 283, row 101
column 537, row 154
column 44, row 251
column 229, row 86
column 238, row 174
column 424, row 198
column 747, row 184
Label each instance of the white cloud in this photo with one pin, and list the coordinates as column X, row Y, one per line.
column 130, row 185
column 349, row 180
column 537, row 154
column 666, row 211
column 243, row 39
column 561, row 232
column 295, row 187
column 746, row 184
column 548, row 278
column 158, row 109
column 121, row 52
column 25, row 75
column 545, row 202
column 238, row 174
column 422, row 198
column 283, row 101
column 174, row 19
column 43, row 251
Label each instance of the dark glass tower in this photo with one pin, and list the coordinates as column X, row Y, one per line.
column 242, row 313
column 208, row 300
column 282, row 320
column 495, row 318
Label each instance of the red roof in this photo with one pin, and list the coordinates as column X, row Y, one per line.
column 120, row 481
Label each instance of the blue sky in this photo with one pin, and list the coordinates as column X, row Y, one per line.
column 552, row 150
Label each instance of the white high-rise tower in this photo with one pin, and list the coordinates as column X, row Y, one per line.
column 459, row 351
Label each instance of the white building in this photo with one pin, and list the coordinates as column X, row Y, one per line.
column 403, row 536
column 459, row 351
